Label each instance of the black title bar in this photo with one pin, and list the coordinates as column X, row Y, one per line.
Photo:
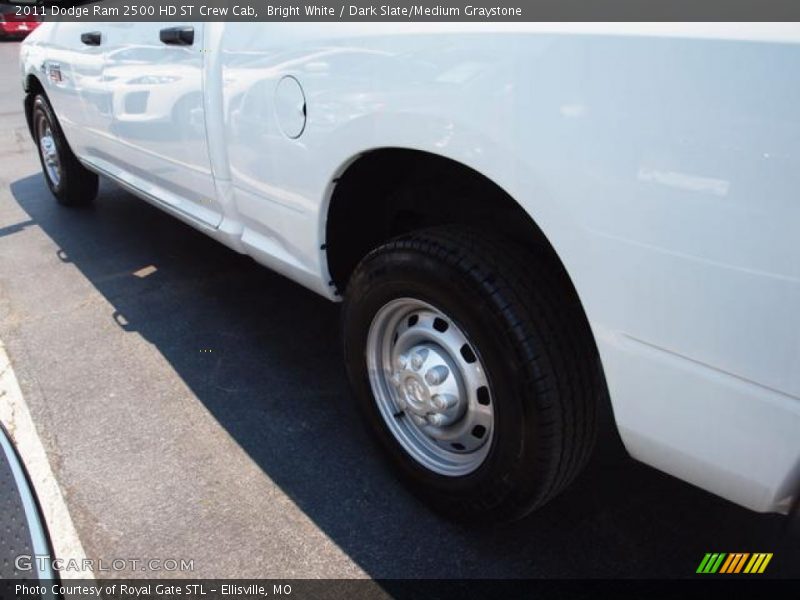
column 412, row 11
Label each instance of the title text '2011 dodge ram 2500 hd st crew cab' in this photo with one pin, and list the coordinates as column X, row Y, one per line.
column 523, row 221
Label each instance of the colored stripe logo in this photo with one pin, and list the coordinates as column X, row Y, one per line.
column 734, row 562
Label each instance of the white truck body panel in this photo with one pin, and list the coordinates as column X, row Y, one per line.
column 662, row 162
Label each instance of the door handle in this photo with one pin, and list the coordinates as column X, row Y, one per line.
column 92, row 38
column 177, row 36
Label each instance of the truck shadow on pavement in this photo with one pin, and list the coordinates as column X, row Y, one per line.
column 263, row 355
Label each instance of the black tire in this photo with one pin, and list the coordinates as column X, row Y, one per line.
column 519, row 310
column 75, row 185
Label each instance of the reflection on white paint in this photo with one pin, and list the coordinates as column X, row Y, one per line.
column 572, row 111
column 685, row 181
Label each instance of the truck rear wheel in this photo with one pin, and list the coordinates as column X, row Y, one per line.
column 473, row 364
column 70, row 182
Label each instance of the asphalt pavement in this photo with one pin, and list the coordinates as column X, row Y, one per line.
column 193, row 405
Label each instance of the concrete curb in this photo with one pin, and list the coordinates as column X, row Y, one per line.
column 16, row 418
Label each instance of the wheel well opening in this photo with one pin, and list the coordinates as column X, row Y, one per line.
column 388, row 192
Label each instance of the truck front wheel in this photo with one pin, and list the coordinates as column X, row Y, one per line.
column 69, row 181
column 474, row 367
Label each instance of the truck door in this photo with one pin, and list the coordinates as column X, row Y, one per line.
column 154, row 72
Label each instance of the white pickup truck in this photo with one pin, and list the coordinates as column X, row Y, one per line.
column 523, row 221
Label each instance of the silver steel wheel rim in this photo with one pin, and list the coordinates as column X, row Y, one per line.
column 49, row 152
column 430, row 386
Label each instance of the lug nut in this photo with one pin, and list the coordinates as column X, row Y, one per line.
column 444, row 401
column 436, row 375
column 417, row 419
column 436, row 420
column 418, row 359
column 402, row 361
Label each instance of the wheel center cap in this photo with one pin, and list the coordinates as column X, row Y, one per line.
column 415, row 391
column 48, row 147
column 428, row 387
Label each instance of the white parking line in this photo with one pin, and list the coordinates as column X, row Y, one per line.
column 16, row 418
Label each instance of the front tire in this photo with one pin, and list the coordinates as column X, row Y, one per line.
column 70, row 182
column 473, row 364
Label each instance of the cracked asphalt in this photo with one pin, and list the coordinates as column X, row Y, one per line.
column 194, row 405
